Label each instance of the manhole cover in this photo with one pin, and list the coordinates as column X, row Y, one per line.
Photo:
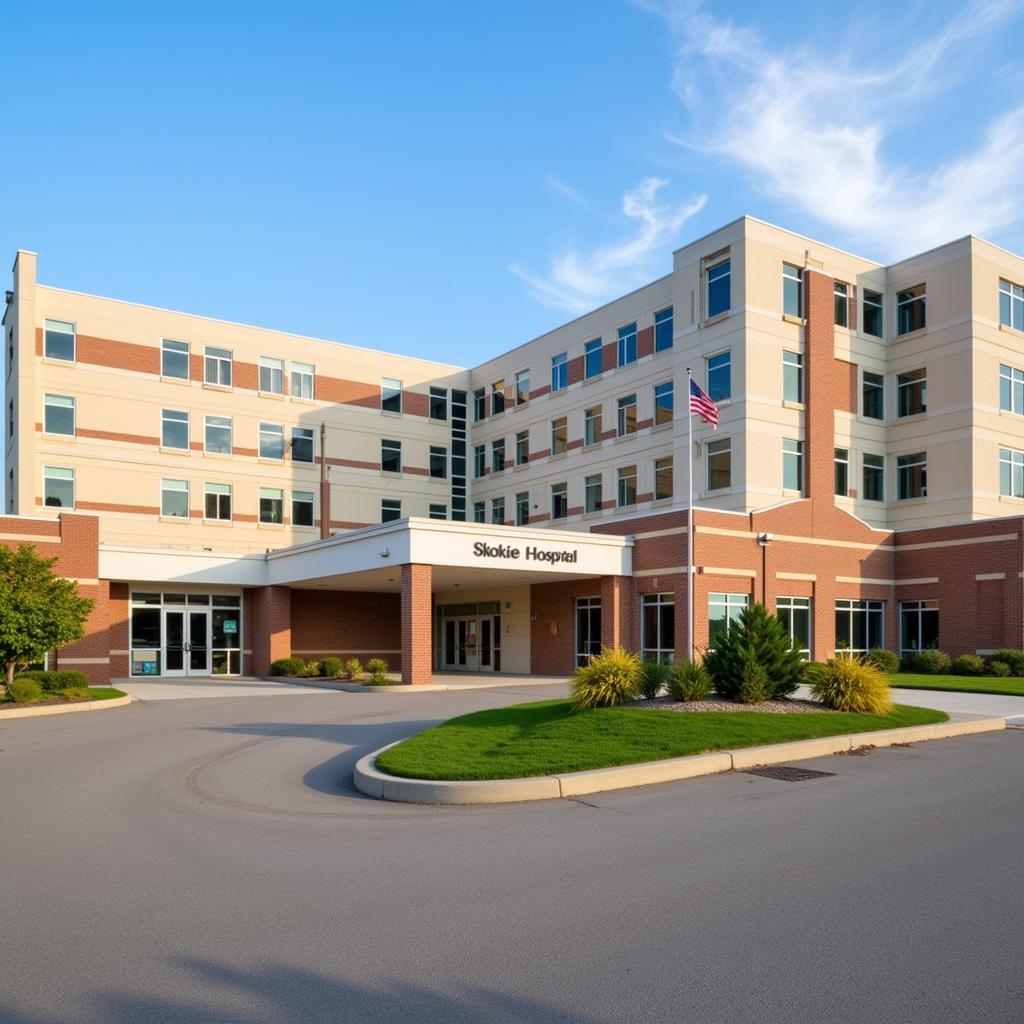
column 786, row 773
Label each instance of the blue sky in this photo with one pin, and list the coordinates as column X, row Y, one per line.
column 450, row 179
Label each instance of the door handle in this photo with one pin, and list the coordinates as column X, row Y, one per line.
column 188, row 647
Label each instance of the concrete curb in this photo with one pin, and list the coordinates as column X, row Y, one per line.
column 66, row 709
column 369, row 780
column 396, row 688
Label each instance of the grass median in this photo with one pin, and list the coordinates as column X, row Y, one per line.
column 1012, row 686
column 547, row 738
column 51, row 697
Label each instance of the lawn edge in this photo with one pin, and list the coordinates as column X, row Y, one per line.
column 66, row 709
column 368, row 779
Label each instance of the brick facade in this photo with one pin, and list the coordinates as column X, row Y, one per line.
column 417, row 630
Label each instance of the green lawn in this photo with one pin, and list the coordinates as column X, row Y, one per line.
column 95, row 693
column 545, row 738
column 1011, row 685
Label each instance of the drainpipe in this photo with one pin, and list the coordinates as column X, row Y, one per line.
column 325, row 487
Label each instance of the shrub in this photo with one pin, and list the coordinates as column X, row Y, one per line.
column 849, row 683
column 287, row 667
column 76, row 693
column 653, row 676
column 611, row 678
column 378, row 669
column 883, row 660
column 353, row 669
column 332, row 668
column 688, row 681
column 998, row 668
column 55, row 680
column 968, row 665
column 1012, row 657
column 25, row 691
column 932, row 663
column 754, row 684
column 312, row 668
column 756, row 637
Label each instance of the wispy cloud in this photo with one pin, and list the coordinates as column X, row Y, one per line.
column 578, row 280
column 563, row 189
column 813, row 127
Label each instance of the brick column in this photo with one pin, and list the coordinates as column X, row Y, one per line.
column 819, row 397
column 417, row 633
column 269, row 629
column 613, row 612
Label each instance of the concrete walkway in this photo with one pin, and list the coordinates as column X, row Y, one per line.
column 208, row 686
column 987, row 704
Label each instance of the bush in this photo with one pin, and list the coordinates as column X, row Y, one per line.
column 353, row 669
column 332, row 668
column 1013, row 658
column 687, row 681
column 756, row 637
column 55, row 680
column 611, row 678
column 968, row 665
column 998, row 668
column 883, row 660
column 849, row 683
column 287, row 667
column 653, row 676
column 931, row 663
column 378, row 669
column 311, row 669
column 754, row 684
column 76, row 693
column 25, row 691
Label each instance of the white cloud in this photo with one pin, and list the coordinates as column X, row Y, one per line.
column 812, row 127
column 572, row 194
column 580, row 280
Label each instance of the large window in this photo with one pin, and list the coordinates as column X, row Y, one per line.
column 522, row 508
column 658, row 627
column 479, row 405
column 174, row 359
column 390, row 395
column 912, row 476
column 874, row 477
column 59, row 342
column 439, row 462
column 479, row 460
column 792, row 377
column 217, row 365
column 664, row 402
column 719, row 376
column 498, row 455
column 912, row 393
column 302, row 508
column 723, row 611
column 626, row 493
column 522, row 387
column 217, row 502
column 1011, row 305
column 841, row 293
column 627, row 344
column 795, row 614
column 271, row 375
column 438, row 511
column 498, row 511
column 910, row 309
column 592, row 359
column 59, row 415
column 302, row 444
column 560, row 372
column 522, row 447
column 626, row 422
column 718, row 297
column 174, row 498
column 438, row 403
column 859, row 625
column 872, row 313
column 842, row 471
column 559, row 501
column 663, row 478
column 301, row 385
column 1011, row 473
column 58, row 487
column 272, row 505
column 593, row 488
column 391, row 456
column 873, row 395
column 1011, row 389
column 497, row 397
column 719, row 463
column 479, row 512
column 663, row 329
column 391, row 509
column 919, row 626
column 592, row 425
column 588, row 629
column 271, row 441
column 559, row 435
column 792, row 290
column 792, row 465
column 174, row 429
column 218, row 435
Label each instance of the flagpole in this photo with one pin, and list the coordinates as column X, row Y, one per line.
column 689, row 521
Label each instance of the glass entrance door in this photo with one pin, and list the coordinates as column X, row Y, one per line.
column 198, row 643
column 186, row 642
column 588, row 629
column 468, row 644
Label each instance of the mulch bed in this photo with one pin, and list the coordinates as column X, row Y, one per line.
column 785, row 706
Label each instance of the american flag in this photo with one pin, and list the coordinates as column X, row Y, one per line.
column 701, row 404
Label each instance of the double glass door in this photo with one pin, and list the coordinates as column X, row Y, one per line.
column 469, row 643
column 186, row 642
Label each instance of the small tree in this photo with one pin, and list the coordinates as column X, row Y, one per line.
column 39, row 611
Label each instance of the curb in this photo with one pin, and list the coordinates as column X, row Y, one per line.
column 66, row 709
column 369, row 780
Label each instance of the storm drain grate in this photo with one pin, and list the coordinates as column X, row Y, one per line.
column 787, row 773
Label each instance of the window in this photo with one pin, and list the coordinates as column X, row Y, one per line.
column 859, row 626
column 522, row 447
column 218, row 435
column 723, row 611
column 912, row 476
column 498, row 455
column 792, row 377
column 910, row 309
column 302, row 444
column 873, row 309
column 498, row 511
column 626, row 492
column 390, row 395
column 919, row 626
column 842, row 471
column 627, row 344
column 795, row 615
column 479, row 460
column 59, row 416
column 559, row 435
column 663, row 330
column 1011, row 389
column 438, row 512
column 663, row 478
column 792, row 465
column 271, row 376
column 174, row 498
column 272, row 505
column 58, row 487
column 593, row 359
column 593, row 488
column 560, row 372
column 479, row 405
column 497, row 397
column 842, row 304
column 874, row 477
column 1011, row 473
column 719, row 464
column 59, row 341
column 719, row 376
column 792, row 290
column 522, row 387
column 718, row 297
column 626, row 422
column 174, row 429
column 1011, row 305
column 873, row 395
column 217, row 363
column 173, row 358
column 438, row 462
column 390, row 510
column 559, row 501
column 271, row 441
column 664, row 402
column 522, row 508
column 391, row 456
column 302, row 380
column 592, row 425
column 302, row 508
column 479, row 512
column 658, row 627
column 911, row 393
column 438, row 403
column 217, row 502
